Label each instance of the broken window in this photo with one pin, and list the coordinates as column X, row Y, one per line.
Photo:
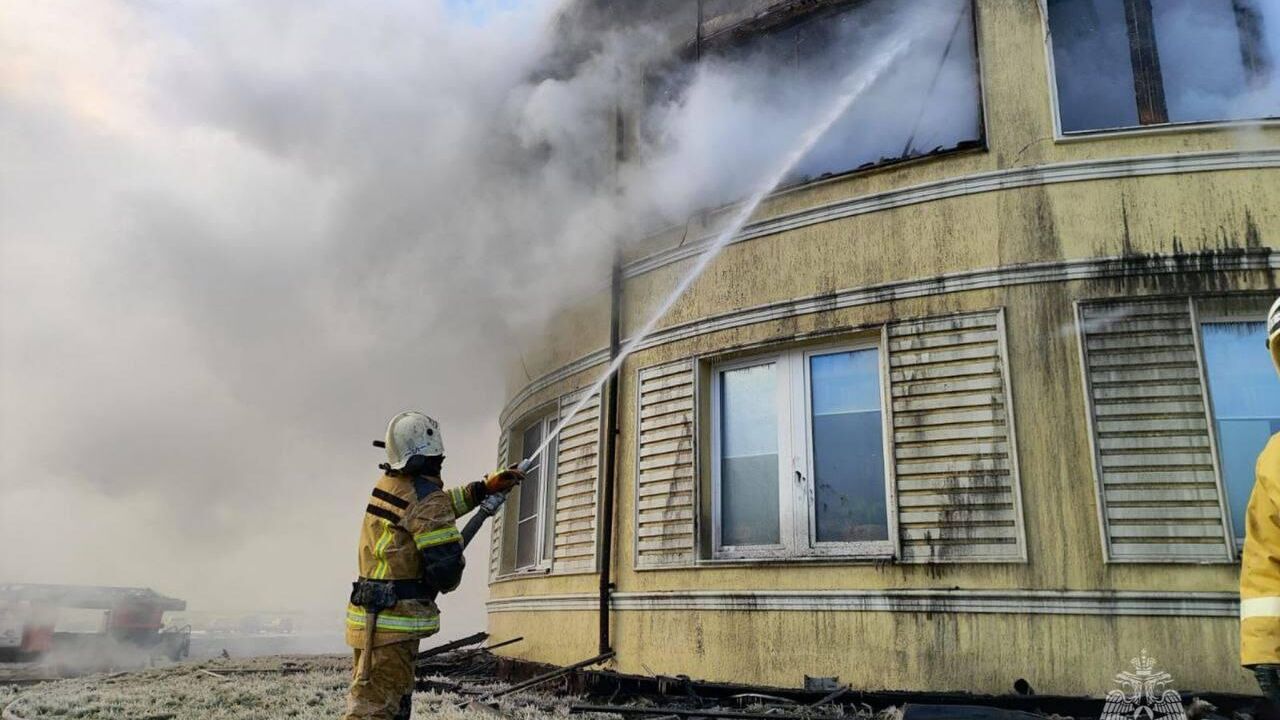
column 1245, row 396
column 536, row 499
column 1126, row 63
column 799, row 464
column 756, row 86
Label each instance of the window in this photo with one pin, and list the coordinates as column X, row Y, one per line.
column 798, row 445
column 535, row 503
column 769, row 76
column 1246, row 405
column 1126, row 63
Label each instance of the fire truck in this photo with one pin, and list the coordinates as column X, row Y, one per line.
column 130, row 618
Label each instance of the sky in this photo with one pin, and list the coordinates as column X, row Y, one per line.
column 236, row 238
column 225, row 263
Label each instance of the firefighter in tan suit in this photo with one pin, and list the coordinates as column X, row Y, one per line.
column 410, row 550
column 1260, row 561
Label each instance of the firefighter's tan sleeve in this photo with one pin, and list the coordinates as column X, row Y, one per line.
column 1260, row 564
column 431, row 521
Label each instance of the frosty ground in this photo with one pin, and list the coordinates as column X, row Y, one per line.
column 298, row 687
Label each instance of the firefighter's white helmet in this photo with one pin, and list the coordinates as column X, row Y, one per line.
column 412, row 433
column 1273, row 333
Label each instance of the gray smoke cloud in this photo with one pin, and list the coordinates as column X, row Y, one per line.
column 1200, row 46
column 743, row 108
column 236, row 238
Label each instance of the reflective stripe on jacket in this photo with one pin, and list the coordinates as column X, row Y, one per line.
column 396, row 526
column 1260, row 564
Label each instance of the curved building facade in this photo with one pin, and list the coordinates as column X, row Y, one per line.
column 984, row 413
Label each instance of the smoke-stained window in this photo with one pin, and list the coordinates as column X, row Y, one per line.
column 925, row 103
column 748, row 90
column 535, row 499
column 1246, row 406
column 798, row 443
column 1127, row 63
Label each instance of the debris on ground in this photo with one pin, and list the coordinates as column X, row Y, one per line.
column 298, row 688
column 471, row 683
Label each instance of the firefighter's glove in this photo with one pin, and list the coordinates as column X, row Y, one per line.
column 500, row 481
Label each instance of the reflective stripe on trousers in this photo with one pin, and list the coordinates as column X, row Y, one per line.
column 1268, row 606
column 394, row 623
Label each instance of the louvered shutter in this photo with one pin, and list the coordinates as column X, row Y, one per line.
column 495, row 523
column 665, row 497
column 1149, row 425
column 954, row 451
column 577, row 482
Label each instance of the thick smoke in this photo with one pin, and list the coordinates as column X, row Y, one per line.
column 1201, row 60
column 743, row 108
column 235, row 238
column 1219, row 60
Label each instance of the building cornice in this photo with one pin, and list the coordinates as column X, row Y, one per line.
column 1019, row 602
column 995, row 180
column 1008, row 276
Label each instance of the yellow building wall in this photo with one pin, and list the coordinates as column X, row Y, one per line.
column 1059, row 654
column 560, row 638
column 1208, row 219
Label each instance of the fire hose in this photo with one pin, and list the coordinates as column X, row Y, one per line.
column 488, row 508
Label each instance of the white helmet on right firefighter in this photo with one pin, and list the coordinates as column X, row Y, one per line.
column 412, row 433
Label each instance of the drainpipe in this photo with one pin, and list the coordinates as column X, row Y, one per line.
column 609, row 469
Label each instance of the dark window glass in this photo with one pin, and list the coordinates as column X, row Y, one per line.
column 848, row 447
column 1091, row 61
column 1246, row 404
column 1196, row 60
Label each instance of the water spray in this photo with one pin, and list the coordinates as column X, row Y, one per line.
column 854, row 85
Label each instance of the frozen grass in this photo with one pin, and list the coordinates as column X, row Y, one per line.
column 182, row 692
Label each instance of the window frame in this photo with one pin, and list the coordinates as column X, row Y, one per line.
column 797, row 496
column 1200, row 318
column 719, row 550
column 544, row 552
column 863, row 548
column 1055, row 106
